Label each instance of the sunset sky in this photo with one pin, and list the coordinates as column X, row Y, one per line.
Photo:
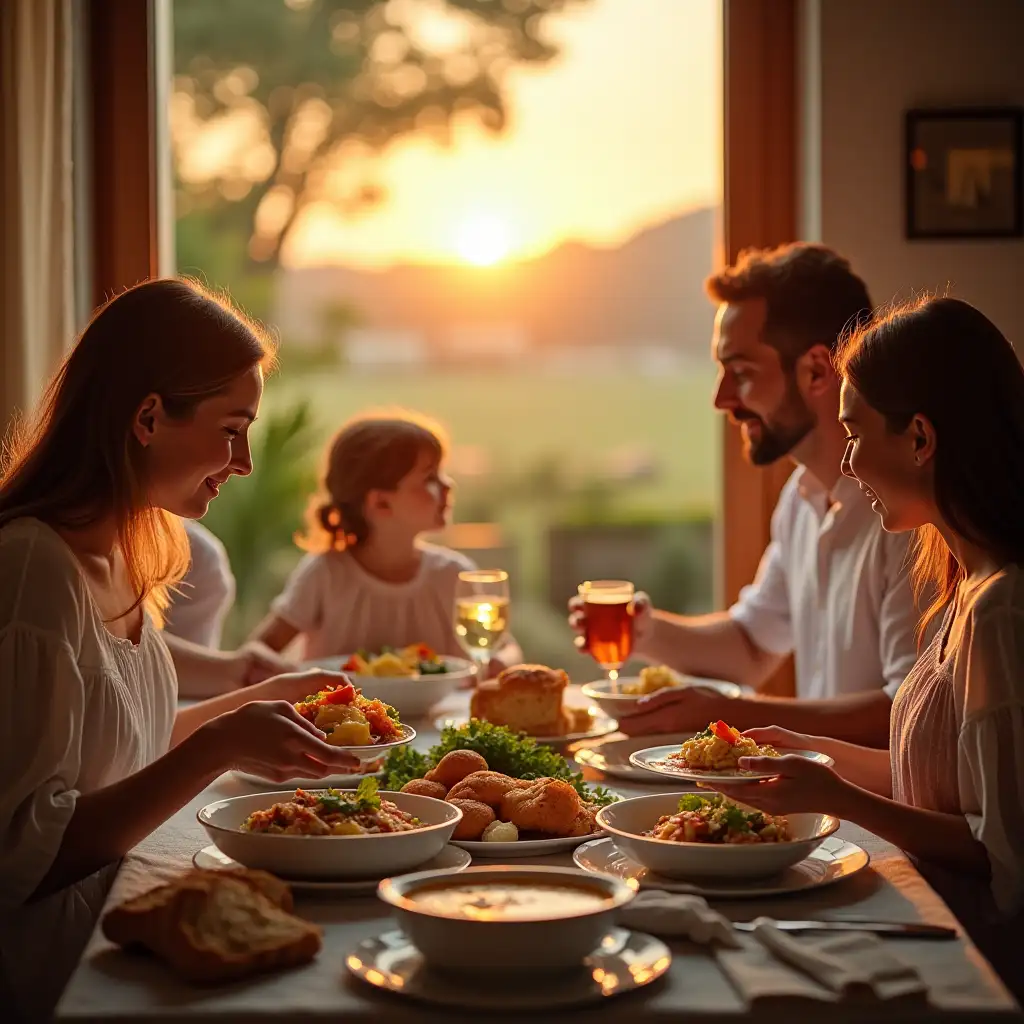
column 620, row 132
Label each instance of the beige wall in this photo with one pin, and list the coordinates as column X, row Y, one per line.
column 864, row 63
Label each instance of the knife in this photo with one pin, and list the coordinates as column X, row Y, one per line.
column 892, row 929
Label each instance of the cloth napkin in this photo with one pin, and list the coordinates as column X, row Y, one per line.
column 665, row 913
column 768, row 964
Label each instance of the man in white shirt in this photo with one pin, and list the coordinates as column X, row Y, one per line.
column 832, row 587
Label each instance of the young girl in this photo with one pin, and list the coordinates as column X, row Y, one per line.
column 144, row 422
column 368, row 581
column 933, row 404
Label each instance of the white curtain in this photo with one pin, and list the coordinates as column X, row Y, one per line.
column 36, row 188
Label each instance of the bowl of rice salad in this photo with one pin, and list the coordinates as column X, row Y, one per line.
column 705, row 835
column 331, row 834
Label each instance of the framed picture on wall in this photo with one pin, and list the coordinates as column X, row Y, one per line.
column 965, row 173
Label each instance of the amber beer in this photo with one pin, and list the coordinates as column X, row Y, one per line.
column 608, row 634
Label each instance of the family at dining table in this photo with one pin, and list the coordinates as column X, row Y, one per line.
column 909, row 653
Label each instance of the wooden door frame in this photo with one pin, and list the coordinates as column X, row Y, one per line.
column 759, row 203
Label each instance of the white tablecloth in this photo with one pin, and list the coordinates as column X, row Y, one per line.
column 111, row 985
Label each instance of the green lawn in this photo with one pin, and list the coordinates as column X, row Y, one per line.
column 520, row 418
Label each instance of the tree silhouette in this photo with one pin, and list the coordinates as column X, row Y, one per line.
column 308, row 78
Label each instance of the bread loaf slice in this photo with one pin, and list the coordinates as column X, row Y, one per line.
column 212, row 926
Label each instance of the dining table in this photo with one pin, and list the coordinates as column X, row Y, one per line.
column 111, row 984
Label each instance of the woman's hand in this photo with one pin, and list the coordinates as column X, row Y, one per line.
column 294, row 686
column 272, row 740
column 781, row 739
column 802, row 785
column 643, row 618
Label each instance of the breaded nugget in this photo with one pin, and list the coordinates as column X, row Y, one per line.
column 487, row 787
column 475, row 818
column 547, row 805
column 455, row 766
column 424, row 787
column 585, row 822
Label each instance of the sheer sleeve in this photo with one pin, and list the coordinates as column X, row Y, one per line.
column 42, row 705
column 991, row 748
column 301, row 603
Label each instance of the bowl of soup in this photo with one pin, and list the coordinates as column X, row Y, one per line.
column 498, row 919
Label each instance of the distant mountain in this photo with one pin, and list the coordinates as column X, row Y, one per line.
column 647, row 291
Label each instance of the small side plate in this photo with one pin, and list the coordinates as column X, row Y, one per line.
column 624, row 962
column 654, row 759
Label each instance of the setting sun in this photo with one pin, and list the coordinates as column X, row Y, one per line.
column 483, row 240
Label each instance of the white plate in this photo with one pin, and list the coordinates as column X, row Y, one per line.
column 330, row 858
column 834, row 860
column 611, row 757
column 367, row 755
column 327, row 782
column 600, row 725
column 652, row 759
column 449, row 859
column 525, row 848
column 624, row 962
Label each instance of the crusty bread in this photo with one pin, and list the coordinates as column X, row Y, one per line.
column 525, row 697
column 214, row 926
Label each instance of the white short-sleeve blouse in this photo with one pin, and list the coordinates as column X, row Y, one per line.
column 80, row 709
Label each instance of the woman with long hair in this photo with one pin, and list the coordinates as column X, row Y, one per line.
column 146, row 419
column 933, row 404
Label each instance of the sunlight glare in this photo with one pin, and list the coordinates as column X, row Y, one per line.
column 483, row 240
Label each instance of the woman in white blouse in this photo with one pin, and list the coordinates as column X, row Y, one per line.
column 933, row 404
column 145, row 420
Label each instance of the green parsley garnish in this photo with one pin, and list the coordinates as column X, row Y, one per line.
column 366, row 799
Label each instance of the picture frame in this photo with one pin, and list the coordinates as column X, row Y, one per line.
column 964, row 173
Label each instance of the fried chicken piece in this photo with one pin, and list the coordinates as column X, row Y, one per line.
column 424, row 787
column 585, row 822
column 487, row 787
column 545, row 805
column 475, row 818
column 455, row 766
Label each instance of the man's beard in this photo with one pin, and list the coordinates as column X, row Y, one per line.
column 793, row 423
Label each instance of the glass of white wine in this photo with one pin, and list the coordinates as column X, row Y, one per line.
column 481, row 614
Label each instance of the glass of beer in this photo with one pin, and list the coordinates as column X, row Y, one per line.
column 608, row 634
column 481, row 614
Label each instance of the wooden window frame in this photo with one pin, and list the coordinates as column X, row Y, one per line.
column 759, row 203
column 122, row 121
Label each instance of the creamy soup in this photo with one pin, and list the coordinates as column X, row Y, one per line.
column 509, row 901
